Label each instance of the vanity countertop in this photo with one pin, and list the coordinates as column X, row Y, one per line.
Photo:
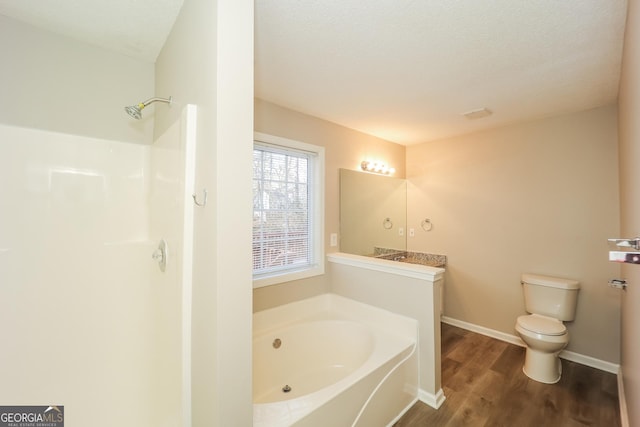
column 421, row 258
column 419, row 271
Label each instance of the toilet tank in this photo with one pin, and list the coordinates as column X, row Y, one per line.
column 550, row 296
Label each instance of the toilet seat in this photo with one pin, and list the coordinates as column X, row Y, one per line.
column 542, row 325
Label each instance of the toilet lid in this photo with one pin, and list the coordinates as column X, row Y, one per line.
column 542, row 325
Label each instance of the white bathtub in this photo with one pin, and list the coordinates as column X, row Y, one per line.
column 345, row 363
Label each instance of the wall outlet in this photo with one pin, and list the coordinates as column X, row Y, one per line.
column 333, row 240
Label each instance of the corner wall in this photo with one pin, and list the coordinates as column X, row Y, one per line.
column 538, row 197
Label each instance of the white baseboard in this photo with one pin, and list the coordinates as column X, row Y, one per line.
column 513, row 339
column 603, row 365
column 433, row 400
column 624, row 415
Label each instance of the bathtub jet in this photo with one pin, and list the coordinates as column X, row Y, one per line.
column 135, row 111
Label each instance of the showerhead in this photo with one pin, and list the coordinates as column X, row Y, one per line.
column 135, row 111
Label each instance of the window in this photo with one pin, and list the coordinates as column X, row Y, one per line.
column 288, row 206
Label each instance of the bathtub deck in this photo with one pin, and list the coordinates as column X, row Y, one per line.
column 484, row 384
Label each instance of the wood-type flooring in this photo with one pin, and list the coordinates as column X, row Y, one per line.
column 484, row 386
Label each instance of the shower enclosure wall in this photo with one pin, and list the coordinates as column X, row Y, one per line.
column 89, row 320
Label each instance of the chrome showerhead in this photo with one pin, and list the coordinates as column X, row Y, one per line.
column 135, row 111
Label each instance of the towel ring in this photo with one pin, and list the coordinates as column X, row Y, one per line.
column 387, row 224
column 426, row 224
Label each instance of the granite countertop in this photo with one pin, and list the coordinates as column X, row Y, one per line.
column 432, row 260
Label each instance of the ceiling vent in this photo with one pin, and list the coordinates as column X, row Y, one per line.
column 477, row 114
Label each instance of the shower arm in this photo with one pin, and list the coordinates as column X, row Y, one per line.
column 152, row 100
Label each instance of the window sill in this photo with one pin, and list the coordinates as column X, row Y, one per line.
column 277, row 279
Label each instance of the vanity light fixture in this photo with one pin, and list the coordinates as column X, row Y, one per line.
column 375, row 167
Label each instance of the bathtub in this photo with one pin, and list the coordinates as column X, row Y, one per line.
column 332, row 361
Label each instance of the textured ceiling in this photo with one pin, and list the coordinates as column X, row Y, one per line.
column 403, row 70
column 136, row 28
column 406, row 70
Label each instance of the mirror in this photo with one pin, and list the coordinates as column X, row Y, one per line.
column 373, row 212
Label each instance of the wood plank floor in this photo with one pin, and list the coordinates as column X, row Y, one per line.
column 484, row 386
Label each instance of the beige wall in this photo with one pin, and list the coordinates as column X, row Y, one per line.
column 207, row 60
column 629, row 128
column 52, row 82
column 539, row 197
column 344, row 148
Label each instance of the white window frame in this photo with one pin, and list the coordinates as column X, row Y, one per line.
column 317, row 197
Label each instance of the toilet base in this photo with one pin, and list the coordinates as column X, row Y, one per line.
column 542, row 367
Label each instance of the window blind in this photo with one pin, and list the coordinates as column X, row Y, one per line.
column 282, row 211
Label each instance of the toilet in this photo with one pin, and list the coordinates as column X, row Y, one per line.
column 550, row 301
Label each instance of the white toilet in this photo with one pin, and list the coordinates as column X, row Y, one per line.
column 550, row 301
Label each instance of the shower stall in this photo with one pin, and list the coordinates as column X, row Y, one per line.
column 94, row 323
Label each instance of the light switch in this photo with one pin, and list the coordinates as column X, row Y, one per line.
column 400, row 231
column 412, row 232
column 334, row 240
